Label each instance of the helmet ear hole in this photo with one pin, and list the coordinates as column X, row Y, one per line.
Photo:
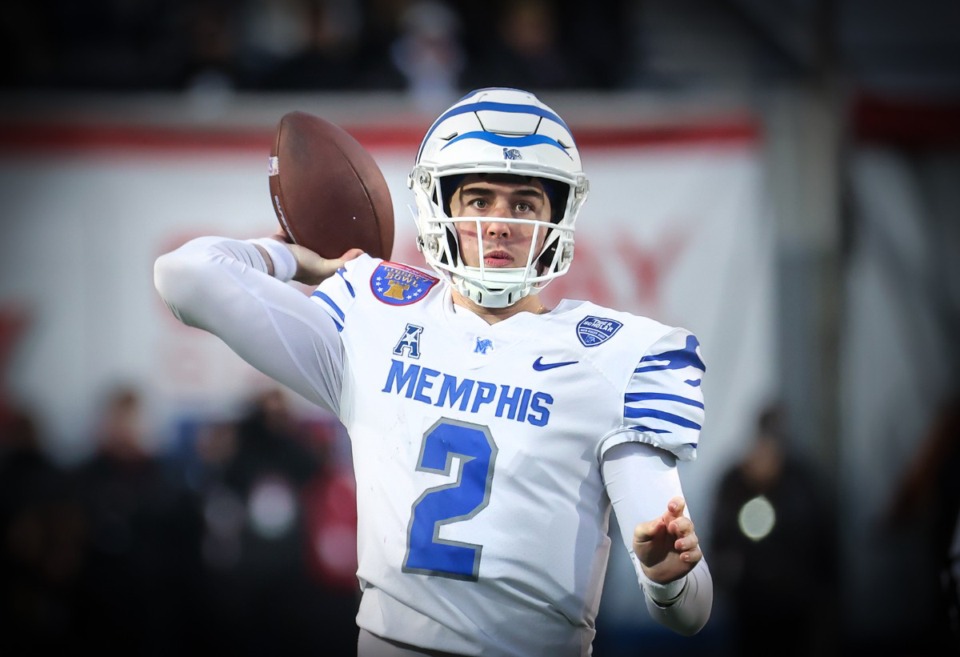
column 446, row 186
column 547, row 257
column 453, row 245
column 558, row 193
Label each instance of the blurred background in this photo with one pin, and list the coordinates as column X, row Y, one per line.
column 781, row 178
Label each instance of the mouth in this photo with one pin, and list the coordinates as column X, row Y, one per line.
column 497, row 259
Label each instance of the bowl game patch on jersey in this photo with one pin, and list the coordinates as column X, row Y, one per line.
column 399, row 285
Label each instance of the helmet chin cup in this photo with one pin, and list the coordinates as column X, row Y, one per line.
column 503, row 131
column 489, row 296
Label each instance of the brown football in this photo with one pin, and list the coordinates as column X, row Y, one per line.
column 327, row 190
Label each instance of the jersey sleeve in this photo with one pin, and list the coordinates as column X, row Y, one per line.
column 663, row 401
column 220, row 285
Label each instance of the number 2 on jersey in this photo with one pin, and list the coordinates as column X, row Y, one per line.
column 427, row 553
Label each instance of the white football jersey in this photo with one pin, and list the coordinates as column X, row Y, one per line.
column 477, row 452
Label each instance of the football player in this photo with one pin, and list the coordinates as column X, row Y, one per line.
column 491, row 435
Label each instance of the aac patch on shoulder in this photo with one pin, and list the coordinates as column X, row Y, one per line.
column 398, row 285
column 596, row 330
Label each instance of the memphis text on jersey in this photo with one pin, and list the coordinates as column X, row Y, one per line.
column 436, row 388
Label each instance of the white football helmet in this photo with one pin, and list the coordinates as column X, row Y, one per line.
column 504, row 131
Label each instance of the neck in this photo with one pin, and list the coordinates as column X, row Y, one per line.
column 528, row 304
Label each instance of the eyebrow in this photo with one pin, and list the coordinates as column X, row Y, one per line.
column 472, row 189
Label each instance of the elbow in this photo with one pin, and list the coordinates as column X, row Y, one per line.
column 168, row 272
column 179, row 282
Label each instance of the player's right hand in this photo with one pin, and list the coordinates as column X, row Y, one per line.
column 312, row 269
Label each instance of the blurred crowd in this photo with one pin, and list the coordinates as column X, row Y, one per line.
column 313, row 45
column 239, row 539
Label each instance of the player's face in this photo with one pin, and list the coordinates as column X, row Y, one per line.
column 501, row 243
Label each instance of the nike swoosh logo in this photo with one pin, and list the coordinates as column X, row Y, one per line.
column 540, row 366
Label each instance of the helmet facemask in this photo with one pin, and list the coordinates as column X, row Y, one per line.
column 504, row 132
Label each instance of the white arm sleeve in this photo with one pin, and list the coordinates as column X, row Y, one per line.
column 640, row 480
column 220, row 285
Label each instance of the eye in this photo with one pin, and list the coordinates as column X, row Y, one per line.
column 524, row 207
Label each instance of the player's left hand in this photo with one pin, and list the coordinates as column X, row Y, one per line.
column 668, row 547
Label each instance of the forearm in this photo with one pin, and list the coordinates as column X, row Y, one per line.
column 690, row 611
column 640, row 481
column 222, row 286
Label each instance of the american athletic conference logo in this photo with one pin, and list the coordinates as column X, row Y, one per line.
column 397, row 285
column 596, row 330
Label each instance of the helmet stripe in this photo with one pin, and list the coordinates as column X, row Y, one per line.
column 513, row 108
column 493, row 107
column 504, row 140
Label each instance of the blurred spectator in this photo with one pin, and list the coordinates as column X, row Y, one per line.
column 428, row 54
column 415, row 48
column 524, row 49
column 258, row 583
column 774, row 547
column 927, row 499
column 141, row 565
column 42, row 528
column 14, row 322
column 381, row 27
column 42, row 531
column 210, row 59
column 320, row 49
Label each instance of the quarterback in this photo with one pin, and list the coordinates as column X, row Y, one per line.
column 491, row 436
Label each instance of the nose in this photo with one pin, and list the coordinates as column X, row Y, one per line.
column 497, row 229
column 501, row 209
